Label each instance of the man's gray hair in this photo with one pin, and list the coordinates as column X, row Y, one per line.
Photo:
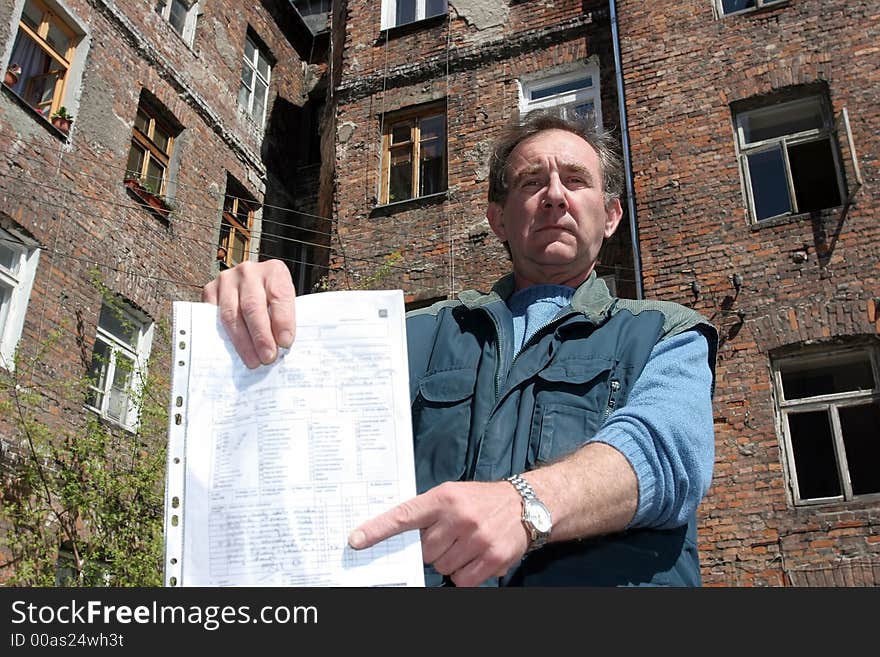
column 603, row 143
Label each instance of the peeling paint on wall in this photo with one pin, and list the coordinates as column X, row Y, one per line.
column 482, row 14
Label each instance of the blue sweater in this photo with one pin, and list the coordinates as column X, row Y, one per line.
column 654, row 441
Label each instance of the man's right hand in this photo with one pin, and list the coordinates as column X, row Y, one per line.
column 256, row 307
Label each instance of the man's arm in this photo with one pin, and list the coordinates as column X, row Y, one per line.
column 649, row 465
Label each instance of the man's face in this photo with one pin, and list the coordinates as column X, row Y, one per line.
column 555, row 217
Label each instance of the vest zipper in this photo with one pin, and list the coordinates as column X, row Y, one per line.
column 612, row 399
column 557, row 319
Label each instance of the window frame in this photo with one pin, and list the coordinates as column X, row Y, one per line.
column 745, row 149
column 230, row 218
column 15, row 292
column 759, row 4
column 260, row 52
column 144, row 141
column 138, row 353
column 389, row 14
column 187, row 33
column 49, row 16
column 564, row 99
column 830, row 403
column 415, row 116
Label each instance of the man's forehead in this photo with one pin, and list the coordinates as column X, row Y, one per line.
column 566, row 148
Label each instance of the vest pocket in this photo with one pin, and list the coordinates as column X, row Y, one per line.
column 441, row 415
column 570, row 403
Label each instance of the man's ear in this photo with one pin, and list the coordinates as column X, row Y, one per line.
column 613, row 213
column 495, row 215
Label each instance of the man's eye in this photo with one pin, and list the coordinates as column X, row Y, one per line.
column 531, row 183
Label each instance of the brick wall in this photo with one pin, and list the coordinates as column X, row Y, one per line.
column 68, row 192
column 472, row 61
column 805, row 280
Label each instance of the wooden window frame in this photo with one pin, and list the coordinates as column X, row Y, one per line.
column 145, row 141
column 260, row 52
column 47, row 18
column 414, row 117
column 759, row 4
column 188, row 29
column 389, row 14
column 785, row 142
column 231, row 207
column 566, row 99
column 137, row 352
column 830, row 404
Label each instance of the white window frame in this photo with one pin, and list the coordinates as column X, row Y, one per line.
column 531, row 87
column 189, row 25
column 253, row 67
column 829, row 403
column 759, row 4
column 15, row 293
column 745, row 149
column 389, row 13
column 139, row 353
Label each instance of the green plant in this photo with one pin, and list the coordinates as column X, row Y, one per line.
column 82, row 499
column 62, row 113
column 369, row 282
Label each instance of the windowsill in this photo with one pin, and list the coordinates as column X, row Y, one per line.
column 868, row 498
column 55, row 132
column 389, row 209
column 111, row 424
column 755, row 10
column 148, row 200
column 795, row 218
column 394, row 31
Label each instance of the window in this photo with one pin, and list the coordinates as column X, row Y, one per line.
column 42, row 56
column 576, row 92
column 830, row 409
column 122, row 346
column 152, row 142
column 181, row 15
column 737, row 6
column 18, row 265
column 414, row 154
column 400, row 12
column 789, row 162
column 235, row 227
column 254, row 89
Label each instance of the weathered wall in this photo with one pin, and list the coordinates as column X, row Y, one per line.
column 808, row 278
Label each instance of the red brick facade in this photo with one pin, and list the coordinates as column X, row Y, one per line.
column 803, row 281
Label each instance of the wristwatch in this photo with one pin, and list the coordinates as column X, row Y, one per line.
column 535, row 516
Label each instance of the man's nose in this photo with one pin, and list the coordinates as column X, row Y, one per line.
column 555, row 194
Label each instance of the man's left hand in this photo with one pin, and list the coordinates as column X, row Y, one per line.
column 470, row 530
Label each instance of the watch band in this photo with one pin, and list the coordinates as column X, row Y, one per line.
column 532, row 506
column 521, row 485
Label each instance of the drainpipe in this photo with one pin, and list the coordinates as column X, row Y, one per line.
column 627, row 165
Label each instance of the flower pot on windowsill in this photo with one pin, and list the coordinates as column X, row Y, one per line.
column 148, row 199
column 62, row 124
column 13, row 73
column 62, row 120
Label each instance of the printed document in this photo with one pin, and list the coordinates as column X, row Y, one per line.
column 270, row 469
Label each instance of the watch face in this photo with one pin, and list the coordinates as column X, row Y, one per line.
column 538, row 516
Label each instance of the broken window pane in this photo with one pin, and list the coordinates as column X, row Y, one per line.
column 860, row 426
column 814, row 459
column 846, row 374
column 814, row 175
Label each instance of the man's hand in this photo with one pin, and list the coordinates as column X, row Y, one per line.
column 256, row 307
column 470, row 530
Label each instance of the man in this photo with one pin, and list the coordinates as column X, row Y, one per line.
column 562, row 436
